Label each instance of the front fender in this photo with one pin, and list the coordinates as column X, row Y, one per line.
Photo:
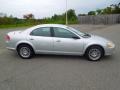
column 92, row 44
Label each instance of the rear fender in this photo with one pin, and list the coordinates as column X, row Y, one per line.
column 25, row 42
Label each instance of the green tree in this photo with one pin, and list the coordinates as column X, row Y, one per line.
column 99, row 11
column 116, row 8
column 107, row 10
column 92, row 13
column 72, row 17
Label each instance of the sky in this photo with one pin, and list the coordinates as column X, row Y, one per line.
column 47, row 8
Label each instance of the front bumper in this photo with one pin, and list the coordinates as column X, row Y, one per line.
column 9, row 48
column 109, row 51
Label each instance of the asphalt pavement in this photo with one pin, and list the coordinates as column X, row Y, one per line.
column 54, row 72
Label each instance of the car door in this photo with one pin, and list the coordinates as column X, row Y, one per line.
column 41, row 39
column 67, row 42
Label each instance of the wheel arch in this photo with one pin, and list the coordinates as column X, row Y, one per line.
column 94, row 45
column 25, row 43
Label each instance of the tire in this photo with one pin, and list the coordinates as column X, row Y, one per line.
column 94, row 53
column 25, row 51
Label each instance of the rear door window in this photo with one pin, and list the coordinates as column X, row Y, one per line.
column 43, row 31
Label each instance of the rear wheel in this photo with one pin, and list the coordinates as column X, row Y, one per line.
column 94, row 53
column 25, row 51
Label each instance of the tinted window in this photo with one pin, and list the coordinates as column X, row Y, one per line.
column 44, row 31
column 63, row 33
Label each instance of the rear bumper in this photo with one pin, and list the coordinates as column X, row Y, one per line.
column 10, row 46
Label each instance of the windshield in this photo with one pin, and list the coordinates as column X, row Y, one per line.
column 78, row 32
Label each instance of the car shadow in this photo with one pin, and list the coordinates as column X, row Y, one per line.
column 62, row 57
column 50, row 56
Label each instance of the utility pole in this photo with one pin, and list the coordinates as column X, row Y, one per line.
column 66, row 14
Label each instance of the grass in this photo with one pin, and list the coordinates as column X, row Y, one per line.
column 14, row 26
column 30, row 25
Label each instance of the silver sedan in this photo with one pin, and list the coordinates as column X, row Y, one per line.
column 59, row 40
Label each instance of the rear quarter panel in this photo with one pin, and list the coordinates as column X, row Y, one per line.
column 14, row 39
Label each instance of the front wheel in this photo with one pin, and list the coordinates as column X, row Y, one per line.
column 94, row 53
column 25, row 51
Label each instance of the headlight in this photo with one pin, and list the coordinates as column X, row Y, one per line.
column 110, row 45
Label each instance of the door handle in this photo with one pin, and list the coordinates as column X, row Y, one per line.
column 31, row 39
column 58, row 41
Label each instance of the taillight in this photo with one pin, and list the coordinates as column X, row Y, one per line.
column 7, row 38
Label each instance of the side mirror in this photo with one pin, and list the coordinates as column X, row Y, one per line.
column 76, row 37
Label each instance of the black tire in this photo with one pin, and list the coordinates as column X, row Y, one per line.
column 94, row 53
column 25, row 51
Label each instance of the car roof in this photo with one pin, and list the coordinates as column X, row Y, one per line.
column 45, row 25
column 51, row 25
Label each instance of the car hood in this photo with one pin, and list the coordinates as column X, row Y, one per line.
column 98, row 39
